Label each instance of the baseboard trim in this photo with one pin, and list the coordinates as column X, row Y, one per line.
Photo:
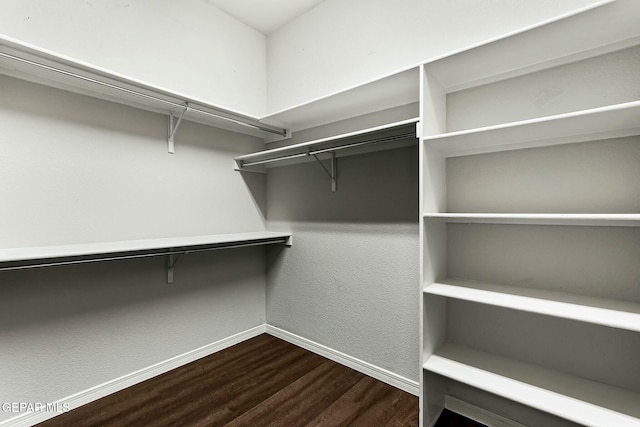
column 344, row 359
column 76, row 400
column 478, row 414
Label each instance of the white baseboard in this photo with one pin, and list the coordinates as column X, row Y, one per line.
column 28, row 419
column 74, row 401
column 478, row 414
column 344, row 359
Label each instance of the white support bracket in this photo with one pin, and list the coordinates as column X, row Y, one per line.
column 333, row 174
column 171, row 262
column 173, row 128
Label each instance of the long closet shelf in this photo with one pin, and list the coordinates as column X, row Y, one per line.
column 600, row 311
column 583, row 401
column 28, row 62
column 394, row 90
column 613, row 220
column 20, row 258
column 598, row 123
column 376, row 135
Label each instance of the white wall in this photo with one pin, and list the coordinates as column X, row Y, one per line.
column 349, row 281
column 76, row 169
column 342, row 43
column 188, row 47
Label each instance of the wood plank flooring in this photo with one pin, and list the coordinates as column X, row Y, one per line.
column 263, row 381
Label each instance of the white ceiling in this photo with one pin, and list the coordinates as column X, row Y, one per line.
column 265, row 16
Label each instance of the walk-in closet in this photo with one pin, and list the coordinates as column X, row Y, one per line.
column 389, row 211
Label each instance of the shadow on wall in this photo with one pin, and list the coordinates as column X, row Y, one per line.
column 42, row 296
column 376, row 187
column 256, row 184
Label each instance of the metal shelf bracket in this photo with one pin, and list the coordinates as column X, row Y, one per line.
column 333, row 173
column 171, row 262
column 173, row 128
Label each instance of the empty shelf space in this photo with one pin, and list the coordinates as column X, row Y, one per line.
column 380, row 134
column 393, row 90
column 577, row 399
column 590, row 219
column 612, row 313
column 579, row 34
column 598, row 123
column 17, row 258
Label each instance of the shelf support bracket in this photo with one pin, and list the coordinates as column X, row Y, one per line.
column 333, row 173
column 173, row 128
column 171, row 262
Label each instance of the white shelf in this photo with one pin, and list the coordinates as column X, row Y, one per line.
column 382, row 134
column 28, row 62
column 612, row 313
column 577, row 399
column 394, row 90
column 613, row 220
column 564, row 39
column 17, row 257
column 597, row 123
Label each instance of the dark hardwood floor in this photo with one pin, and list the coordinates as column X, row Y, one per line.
column 263, row 381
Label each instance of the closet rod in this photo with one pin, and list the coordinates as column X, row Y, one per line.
column 232, row 117
column 332, row 149
column 144, row 255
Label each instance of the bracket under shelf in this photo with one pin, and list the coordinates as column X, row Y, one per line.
column 333, row 173
column 173, row 126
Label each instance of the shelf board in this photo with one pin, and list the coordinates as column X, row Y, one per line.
column 336, row 142
column 577, row 399
column 598, row 123
column 600, row 311
column 563, row 39
column 16, row 258
column 28, row 62
column 394, row 90
column 613, row 220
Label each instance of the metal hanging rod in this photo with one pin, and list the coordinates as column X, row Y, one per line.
column 235, row 118
column 171, row 254
column 332, row 149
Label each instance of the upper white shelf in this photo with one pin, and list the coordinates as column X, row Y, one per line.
column 612, row 313
column 613, row 220
column 598, row 123
column 21, row 60
column 583, row 401
column 16, row 258
column 379, row 134
column 397, row 89
column 564, row 39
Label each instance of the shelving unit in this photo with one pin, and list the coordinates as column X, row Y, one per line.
column 577, row 399
column 27, row 62
column 598, row 123
column 573, row 397
column 47, row 256
column 376, row 135
column 612, row 313
column 614, row 220
column 353, row 142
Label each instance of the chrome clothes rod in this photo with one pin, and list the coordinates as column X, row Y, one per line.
column 175, row 251
column 332, row 149
column 235, row 118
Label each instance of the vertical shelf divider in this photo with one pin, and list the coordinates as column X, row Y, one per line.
column 432, row 180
